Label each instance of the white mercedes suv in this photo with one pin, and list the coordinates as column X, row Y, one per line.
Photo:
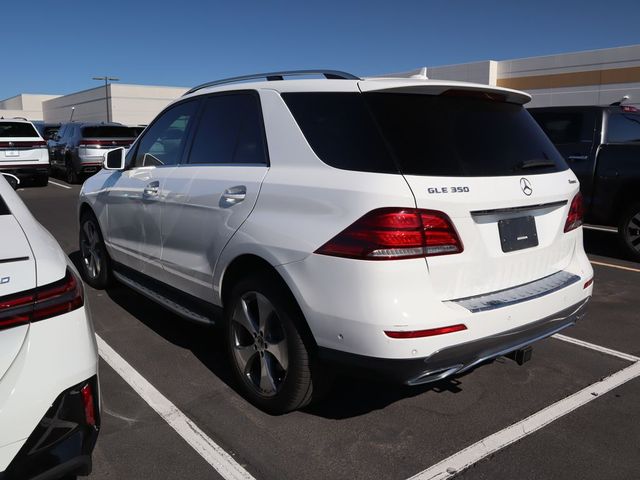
column 407, row 229
column 49, row 398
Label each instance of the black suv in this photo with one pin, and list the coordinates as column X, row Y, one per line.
column 77, row 148
column 602, row 147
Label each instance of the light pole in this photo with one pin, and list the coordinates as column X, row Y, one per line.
column 107, row 79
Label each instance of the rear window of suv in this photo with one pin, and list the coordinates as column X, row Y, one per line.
column 428, row 135
column 108, row 132
column 17, row 129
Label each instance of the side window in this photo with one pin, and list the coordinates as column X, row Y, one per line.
column 567, row 127
column 623, row 128
column 163, row 142
column 230, row 131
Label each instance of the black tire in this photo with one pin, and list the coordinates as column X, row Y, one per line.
column 293, row 385
column 41, row 181
column 70, row 174
column 95, row 264
column 629, row 231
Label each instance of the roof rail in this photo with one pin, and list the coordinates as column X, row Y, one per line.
column 328, row 74
column 20, row 118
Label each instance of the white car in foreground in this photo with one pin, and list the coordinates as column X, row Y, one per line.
column 407, row 229
column 49, row 397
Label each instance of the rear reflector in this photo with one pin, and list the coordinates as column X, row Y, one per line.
column 576, row 212
column 41, row 303
column 426, row 333
column 395, row 233
column 89, row 404
column 588, row 283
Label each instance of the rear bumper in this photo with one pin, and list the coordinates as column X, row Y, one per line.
column 455, row 359
column 26, row 171
column 62, row 442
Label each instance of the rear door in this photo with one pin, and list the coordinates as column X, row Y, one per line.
column 212, row 193
column 574, row 133
column 487, row 165
column 134, row 202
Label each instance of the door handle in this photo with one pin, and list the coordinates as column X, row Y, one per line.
column 151, row 190
column 233, row 195
column 577, row 157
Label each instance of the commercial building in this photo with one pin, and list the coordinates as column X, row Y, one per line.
column 127, row 104
column 24, row 105
column 596, row 77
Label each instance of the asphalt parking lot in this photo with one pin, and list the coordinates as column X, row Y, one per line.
column 581, row 427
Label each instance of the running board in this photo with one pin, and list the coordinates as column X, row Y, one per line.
column 171, row 304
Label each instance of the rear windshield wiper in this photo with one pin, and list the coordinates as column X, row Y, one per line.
column 536, row 164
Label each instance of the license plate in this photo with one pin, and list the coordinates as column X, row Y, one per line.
column 11, row 153
column 518, row 233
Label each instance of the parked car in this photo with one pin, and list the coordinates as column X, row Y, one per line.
column 398, row 228
column 602, row 147
column 77, row 149
column 23, row 152
column 49, row 405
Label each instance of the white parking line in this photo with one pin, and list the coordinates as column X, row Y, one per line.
column 493, row 443
column 612, row 265
column 59, row 185
column 598, row 348
column 220, row 460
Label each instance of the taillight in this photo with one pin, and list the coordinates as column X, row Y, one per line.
column 43, row 302
column 104, row 143
column 395, row 233
column 576, row 212
column 425, row 333
column 23, row 145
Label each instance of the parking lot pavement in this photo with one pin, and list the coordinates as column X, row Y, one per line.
column 364, row 429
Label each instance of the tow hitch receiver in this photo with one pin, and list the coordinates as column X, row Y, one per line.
column 521, row 356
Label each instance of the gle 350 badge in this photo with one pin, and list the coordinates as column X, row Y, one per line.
column 447, row 189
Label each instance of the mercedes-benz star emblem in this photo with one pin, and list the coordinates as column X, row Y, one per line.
column 525, row 185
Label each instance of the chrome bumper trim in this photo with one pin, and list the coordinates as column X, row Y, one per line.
column 521, row 293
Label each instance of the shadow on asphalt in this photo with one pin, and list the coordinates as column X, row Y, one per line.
column 605, row 244
column 349, row 397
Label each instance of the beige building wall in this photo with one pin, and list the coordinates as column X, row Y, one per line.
column 25, row 105
column 128, row 104
column 595, row 77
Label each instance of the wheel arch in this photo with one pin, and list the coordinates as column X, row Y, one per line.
column 251, row 264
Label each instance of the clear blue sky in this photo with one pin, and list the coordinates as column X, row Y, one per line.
column 57, row 47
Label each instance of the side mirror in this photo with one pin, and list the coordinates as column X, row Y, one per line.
column 114, row 159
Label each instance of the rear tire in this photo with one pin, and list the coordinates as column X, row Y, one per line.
column 41, row 181
column 629, row 231
column 268, row 346
column 95, row 265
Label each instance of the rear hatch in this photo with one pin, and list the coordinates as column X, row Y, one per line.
column 20, row 143
column 479, row 157
column 17, row 275
column 105, row 137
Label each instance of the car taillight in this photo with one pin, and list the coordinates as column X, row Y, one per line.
column 43, row 302
column 89, row 404
column 395, row 233
column 576, row 212
column 28, row 144
column 425, row 333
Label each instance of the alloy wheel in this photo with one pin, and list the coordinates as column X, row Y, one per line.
column 259, row 344
column 632, row 231
column 91, row 249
